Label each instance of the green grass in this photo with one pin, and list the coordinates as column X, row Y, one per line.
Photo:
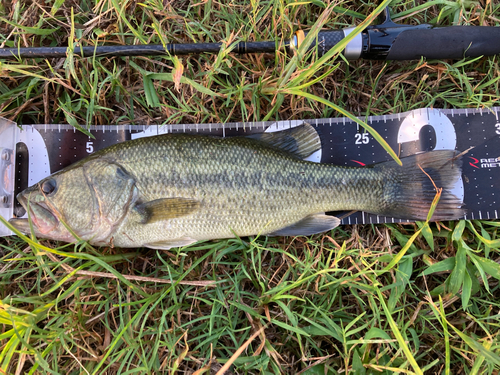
column 373, row 299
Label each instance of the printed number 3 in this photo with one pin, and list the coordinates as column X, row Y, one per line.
column 361, row 138
column 497, row 125
column 90, row 147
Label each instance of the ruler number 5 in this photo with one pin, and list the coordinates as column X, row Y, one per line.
column 361, row 138
column 497, row 125
column 90, row 147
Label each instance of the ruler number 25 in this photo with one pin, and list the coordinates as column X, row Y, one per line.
column 89, row 147
column 361, row 138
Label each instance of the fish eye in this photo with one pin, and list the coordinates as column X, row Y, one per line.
column 49, row 186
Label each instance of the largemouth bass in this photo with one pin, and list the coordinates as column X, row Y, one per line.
column 175, row 189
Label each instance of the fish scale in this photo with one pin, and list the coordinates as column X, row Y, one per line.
column 235, row 195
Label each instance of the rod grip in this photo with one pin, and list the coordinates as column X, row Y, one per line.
column 325, row 40
column 453, row 42
column 328, row 39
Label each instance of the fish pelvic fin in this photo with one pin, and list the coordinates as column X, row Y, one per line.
column 411, row 189
column 301, row 141
column 168, row 244
column 309, row 225
column 166, row 208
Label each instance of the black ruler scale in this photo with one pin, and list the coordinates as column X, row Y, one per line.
column 39, row 150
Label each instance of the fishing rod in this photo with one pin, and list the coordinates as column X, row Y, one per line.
column 386, row 41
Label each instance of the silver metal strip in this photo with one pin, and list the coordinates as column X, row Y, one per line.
column 355, row 46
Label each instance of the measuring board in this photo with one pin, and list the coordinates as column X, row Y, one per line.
column 32, row 152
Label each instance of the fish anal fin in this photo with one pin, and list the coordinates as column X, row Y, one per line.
column 168, row 244
column 301, row 141
column 166, row 208
column 309, row 225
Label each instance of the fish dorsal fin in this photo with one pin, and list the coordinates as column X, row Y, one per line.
column 166, row 208
column 301, row 141
column 309, row 225
column 168, row 244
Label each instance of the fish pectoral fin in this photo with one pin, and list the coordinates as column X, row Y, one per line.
column 301, row 141
column 166, row 208
column 168, row 244
column 309, row 225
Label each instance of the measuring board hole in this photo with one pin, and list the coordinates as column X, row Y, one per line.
column 21, row 176
column 427, row 140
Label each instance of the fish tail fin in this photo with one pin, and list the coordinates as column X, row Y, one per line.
column 412, row 187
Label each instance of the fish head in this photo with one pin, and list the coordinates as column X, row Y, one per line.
column 56, row 204
column 88, row 200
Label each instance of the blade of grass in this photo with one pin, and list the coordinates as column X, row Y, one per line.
column 397, row 334
column 345, row 113
column 473, row 344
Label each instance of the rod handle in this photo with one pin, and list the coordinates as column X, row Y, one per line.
column 453, row 42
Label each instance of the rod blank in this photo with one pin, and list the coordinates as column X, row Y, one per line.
column 135, row 50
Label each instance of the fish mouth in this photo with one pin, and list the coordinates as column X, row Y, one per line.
column 43, row 219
